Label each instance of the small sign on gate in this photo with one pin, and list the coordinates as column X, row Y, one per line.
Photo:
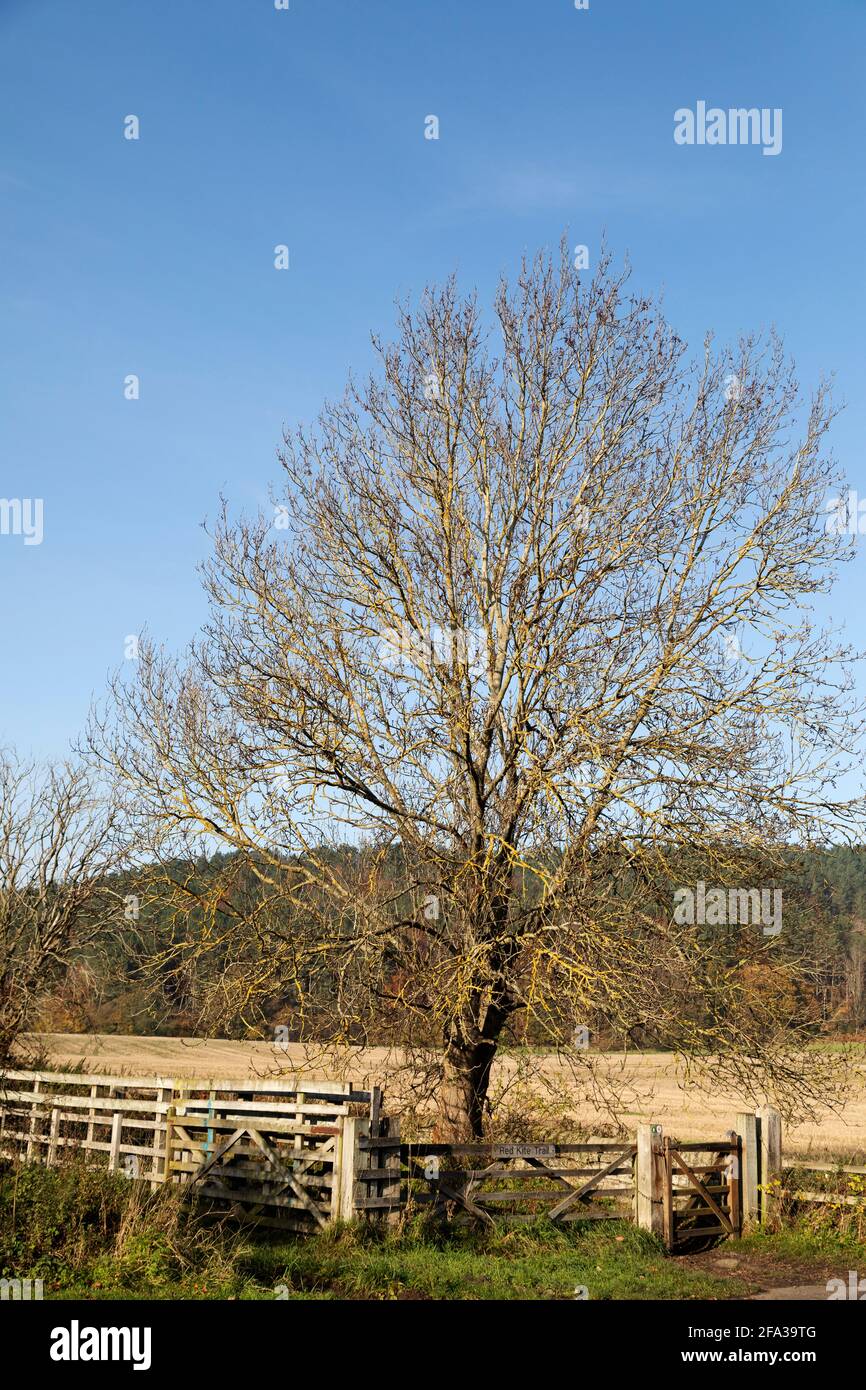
column 524, row 1151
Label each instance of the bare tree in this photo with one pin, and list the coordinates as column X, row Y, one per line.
column 61, row 847
column 529, row 628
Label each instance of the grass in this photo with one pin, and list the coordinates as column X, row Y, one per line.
column 807, row 1241
column 89, row 1234
column 598, row 1262
column 610, row 1260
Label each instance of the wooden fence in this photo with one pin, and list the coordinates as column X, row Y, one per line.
column 270, row 1150
column 831, row 1184
column 701, row 1199
column 513, row 1182
column 302, row 1153
column 43, row 1115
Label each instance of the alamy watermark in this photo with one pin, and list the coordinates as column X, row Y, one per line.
column 854, row 1289
column 22, row 516
column 846, row 516
column 738, row 125
column 722, row 907
column 406, row 647
column 77, row 1343
column 21, row 1290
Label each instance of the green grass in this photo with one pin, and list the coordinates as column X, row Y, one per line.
column 609, row 1262
column 812, row 1239
column 609, row 1259
column 94, row 1235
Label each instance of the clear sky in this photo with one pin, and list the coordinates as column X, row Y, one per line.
column 305, row 127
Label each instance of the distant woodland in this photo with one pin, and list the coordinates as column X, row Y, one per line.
column 161, row 974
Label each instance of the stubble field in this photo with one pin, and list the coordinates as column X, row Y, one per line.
column 649, row 1085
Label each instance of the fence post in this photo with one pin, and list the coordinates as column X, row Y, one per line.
column 735, row 1184
column 34, row 1119
column 373, row 1189
column 180, row 1088
column 298, row 1145
column 375, row 1110
column 352, row 1159
column 770, row 1132
column 392, row 1187
column 166, row 1096
column 91, row 1116
column 669, row 1225
column 114, row 1152
column 747, row 1128
column 649, row 1179
column 337, row 1171
column 54, row 1134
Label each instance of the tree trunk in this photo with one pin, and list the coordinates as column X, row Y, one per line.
column 463, row 1091
column 11, row 1017
column 471, row 1038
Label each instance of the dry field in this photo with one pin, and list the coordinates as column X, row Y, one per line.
column 648, row 1084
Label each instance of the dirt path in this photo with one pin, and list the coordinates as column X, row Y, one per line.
column 810, row 1293
column 771, row 1277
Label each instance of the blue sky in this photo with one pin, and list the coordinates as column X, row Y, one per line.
column 306, row 127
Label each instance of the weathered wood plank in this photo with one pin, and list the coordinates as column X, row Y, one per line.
column 376, row 1204
column 725, row 1146
column 715, row 1229
column 541, row 1195
column 712, row 1203
column 826, row 1197
column 47, row 1100
column 747, row 1128
column 260, row 1108
column 806, row 1166
column 267, row 1123
column 256, row 1197
column 480, row 1150
column 579, row 1192
column 67, row 1078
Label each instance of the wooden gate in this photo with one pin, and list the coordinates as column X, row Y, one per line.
column 701, row 1195
column 520, row 1182
column 271, row 1156
column 272, row 1151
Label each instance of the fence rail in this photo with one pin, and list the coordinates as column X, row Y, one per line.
column 301, row 1153
column 701, row 1200
column 269, row 1150
column 837, row 1177
column 520, row 1182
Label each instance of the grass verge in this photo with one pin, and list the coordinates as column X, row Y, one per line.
column 89, row 1234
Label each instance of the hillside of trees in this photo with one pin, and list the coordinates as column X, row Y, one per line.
column 157, row 977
